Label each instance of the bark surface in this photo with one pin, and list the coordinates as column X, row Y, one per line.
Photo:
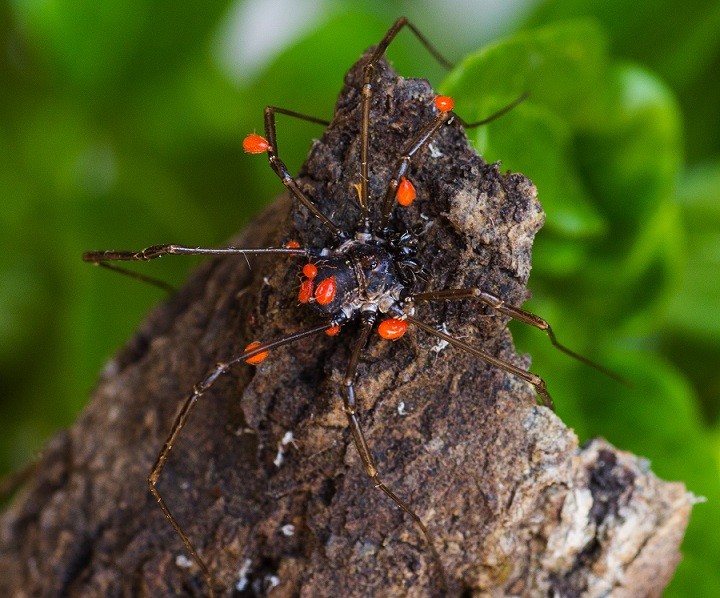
column 516, row 507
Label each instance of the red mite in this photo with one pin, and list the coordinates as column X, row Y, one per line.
column 255, row 144
column 306, row 291
column 444, row 103
column 392, row 328
column 255, row 359
column 309, row 270
column 406, row 192
column 325, row 291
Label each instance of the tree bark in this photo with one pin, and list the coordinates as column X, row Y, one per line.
column 265, row 479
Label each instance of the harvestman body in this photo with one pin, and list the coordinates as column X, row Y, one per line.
column 370, row 275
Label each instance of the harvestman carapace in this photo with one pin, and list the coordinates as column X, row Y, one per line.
column 370, row 275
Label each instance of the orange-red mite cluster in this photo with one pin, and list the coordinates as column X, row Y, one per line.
column 255, row 359
column 333, row 331
column 444, row 103
column 406, row 192
column 255, row 144
column 323, row 293
column 307, row 286
column 392, row 328
column 292, row 245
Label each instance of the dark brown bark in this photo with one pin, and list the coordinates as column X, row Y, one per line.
column 515, row 506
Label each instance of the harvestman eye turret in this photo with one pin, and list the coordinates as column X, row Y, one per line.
column 367, row 276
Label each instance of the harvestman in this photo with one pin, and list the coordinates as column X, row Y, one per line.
column 361, row 277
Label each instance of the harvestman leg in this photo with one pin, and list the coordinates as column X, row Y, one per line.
column 281, row 170
column 156, row 251
column 182, row 418
column 102, row 258
column 420, row 141
column 521, row 315
column 533, row 379
column 367, row 91
column 403, row 163
column 350, row 408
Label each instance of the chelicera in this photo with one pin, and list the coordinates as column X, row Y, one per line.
column 369, row 276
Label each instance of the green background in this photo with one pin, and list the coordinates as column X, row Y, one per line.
column 121, row 126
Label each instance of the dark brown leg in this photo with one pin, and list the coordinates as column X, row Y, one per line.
column 403, row 163
column 422, row 139
column 156, row 251
column 350, row 408
column 518, row 314
column 101, row 258
column 182, row 417
column 495, row 115
column 281, row 170
column 533, row 379
column 368, row 75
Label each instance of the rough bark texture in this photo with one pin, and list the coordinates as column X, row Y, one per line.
column 515, row 506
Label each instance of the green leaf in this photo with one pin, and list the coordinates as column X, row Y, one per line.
column 631, row 156
column 562, row 67
column 535, row 141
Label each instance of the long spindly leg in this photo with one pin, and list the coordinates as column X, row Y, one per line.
column 102, row 258
column 444, row 115
column 494, row 115
column 156, row 251
column 182, row 418
column 521, row 315
column 403, row 162
column 422, row 139
column 367, row 91
column 281, row 170
column 351, row 411
column 533, row 379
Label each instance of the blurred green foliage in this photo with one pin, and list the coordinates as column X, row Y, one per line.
column 120, row 128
